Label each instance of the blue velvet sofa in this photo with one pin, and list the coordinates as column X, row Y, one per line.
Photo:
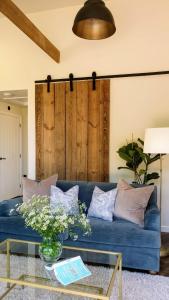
column 140, row 246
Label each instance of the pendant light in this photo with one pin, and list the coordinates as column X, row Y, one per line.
column 94, row 21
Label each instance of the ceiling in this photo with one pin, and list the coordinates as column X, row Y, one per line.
column 19, row 97
column 31, row 6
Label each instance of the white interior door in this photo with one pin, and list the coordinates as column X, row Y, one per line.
column 10, row 155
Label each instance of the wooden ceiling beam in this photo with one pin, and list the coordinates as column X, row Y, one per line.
column 14, row 14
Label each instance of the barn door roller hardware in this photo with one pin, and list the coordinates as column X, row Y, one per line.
column 49, row 78
column 94, row 75
column 71, row 77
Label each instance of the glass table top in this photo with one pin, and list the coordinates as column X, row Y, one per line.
column 21, row 265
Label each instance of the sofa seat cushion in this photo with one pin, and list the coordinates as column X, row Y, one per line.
column 15, row 225
column 121, row 233
column 117, row 233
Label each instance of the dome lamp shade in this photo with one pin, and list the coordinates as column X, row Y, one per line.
column 94, row 21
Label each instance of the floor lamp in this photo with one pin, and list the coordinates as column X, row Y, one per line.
column 157, row 141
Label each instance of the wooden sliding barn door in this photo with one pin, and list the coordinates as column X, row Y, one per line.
column 72, row 130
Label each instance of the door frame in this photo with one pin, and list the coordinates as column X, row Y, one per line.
column 19, row 117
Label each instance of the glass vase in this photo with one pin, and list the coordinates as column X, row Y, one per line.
column 50, row 250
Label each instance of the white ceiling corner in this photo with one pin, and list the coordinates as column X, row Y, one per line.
column 32, row 6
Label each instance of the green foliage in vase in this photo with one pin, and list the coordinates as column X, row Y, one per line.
column 39, row 216
column 138, row 162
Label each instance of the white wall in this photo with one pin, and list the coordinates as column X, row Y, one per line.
column 140, row 44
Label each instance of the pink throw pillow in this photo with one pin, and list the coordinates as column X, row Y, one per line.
column 33, row 187
column 131, row 202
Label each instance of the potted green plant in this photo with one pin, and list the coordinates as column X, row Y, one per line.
column 51, row 224
column 138, row 162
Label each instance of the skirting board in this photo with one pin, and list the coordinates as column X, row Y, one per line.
column 164, row 228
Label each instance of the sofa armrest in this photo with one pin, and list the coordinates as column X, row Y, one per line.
column 152, row 219
column 7, row 205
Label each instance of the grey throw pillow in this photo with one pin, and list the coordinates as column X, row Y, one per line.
column 68, row 201
column 102, row 204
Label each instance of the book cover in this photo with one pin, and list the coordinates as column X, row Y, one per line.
column 70, row 270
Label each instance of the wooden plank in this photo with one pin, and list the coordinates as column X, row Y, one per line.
column 60, row 129
column 101, row 132
column 49, row 141
column 82, row 128
column 93, row 133
column 39, row 131
column 105, row 102
column 71, row 137
column 72, row 131
column 13, row 13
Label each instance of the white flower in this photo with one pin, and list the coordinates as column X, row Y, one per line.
column 38, row 215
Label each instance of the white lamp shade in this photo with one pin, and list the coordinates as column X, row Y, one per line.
column 156, row 140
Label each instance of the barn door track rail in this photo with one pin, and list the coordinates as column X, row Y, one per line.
column 94, row 77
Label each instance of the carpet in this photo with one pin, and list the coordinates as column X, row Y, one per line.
column 136, row 286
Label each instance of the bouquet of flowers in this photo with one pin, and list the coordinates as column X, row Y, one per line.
column 52, row 224
column 39, row 216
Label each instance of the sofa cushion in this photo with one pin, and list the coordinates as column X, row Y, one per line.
column 131, row 202
column 102, row 204
column 121, row 233
column 15, row 225
column 85, row 188
column 67, row 201
column 33, row 187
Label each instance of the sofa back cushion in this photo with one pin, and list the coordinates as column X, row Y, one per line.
column 85, row 188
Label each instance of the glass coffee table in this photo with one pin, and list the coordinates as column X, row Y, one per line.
column 21, row 266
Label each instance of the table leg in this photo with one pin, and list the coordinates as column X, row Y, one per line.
column 120, row 280
column 8, row 262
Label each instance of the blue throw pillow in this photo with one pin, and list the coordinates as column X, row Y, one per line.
column 8, row 207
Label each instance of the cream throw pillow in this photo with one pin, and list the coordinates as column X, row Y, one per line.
column 68, row 200
column 102, row 204
column 131, row 202
column 33, row 187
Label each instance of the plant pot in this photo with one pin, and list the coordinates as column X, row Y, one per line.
column 50, row 250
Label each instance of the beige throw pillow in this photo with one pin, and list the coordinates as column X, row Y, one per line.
column 33, row 187
column 131, row 202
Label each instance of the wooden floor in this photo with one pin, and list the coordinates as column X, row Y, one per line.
column 164, row 265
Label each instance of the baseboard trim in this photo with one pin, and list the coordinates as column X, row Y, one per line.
column 164, row 228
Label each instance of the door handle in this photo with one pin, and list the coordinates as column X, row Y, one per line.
column 2, row 158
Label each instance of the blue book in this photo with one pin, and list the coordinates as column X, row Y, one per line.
column 70, row 270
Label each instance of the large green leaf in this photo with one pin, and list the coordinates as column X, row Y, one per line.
column 140, row 141
column 134, row 156
column 151, row 176
column 154, row 158
column 120, row 168
column 124, row 156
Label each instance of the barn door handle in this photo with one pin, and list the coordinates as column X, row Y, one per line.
column 2, row 158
